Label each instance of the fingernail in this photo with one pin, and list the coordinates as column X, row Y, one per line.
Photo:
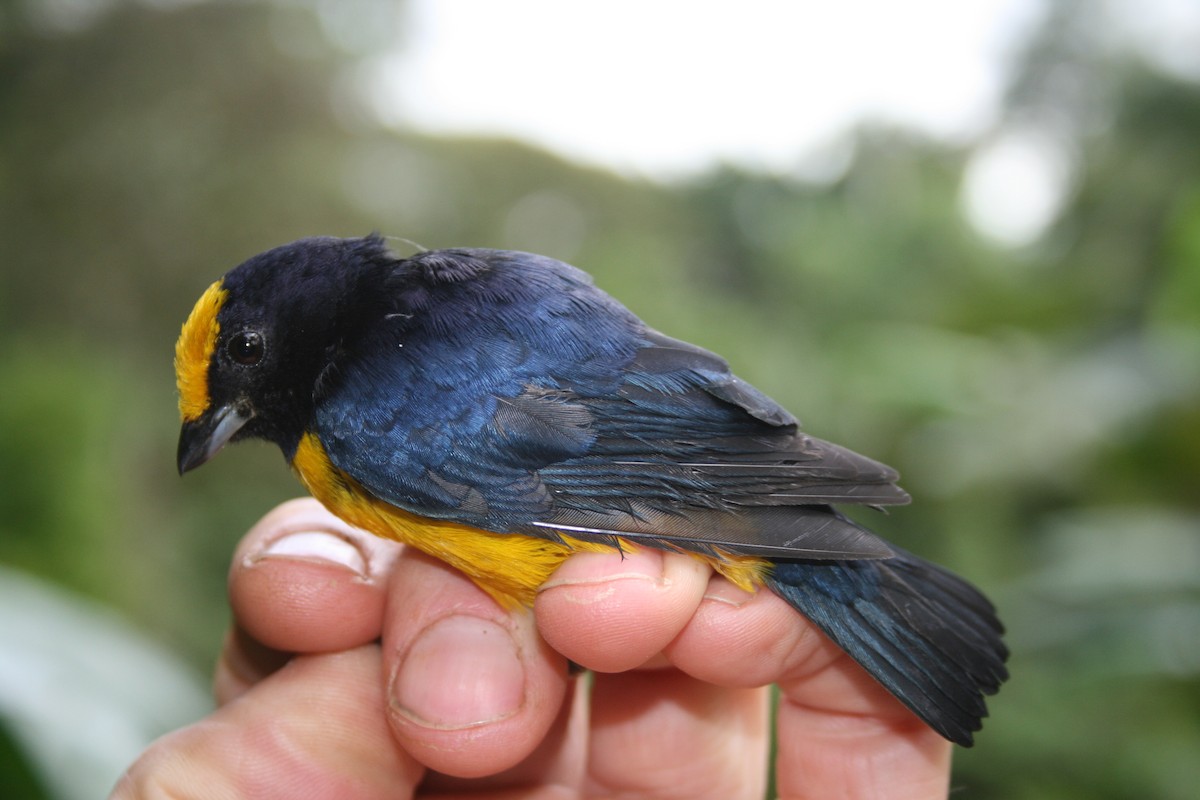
column 721, row 590
column 460, row 672
column 595, row 569
column 317, row 546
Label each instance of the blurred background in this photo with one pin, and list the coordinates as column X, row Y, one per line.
column 963, row 238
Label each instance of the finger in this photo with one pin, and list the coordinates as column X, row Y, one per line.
column 304, row 581
column 739, row 638
column 472, row 688
column 611, row 612
column 653, row 733
column 555, row 770
column 837, row 726
column 890, row 754
column 313, row 729
column 663, row 734
column 243, row 662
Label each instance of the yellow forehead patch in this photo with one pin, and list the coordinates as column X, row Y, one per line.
column 194, row 351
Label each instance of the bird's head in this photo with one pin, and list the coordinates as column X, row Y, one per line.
column 254, row 346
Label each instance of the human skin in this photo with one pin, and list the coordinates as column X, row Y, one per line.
column 356, row 667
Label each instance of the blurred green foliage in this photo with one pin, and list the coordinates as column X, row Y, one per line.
column 16, row 773
column 1041, row 401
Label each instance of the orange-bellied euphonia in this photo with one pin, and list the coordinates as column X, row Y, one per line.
column 497, row 411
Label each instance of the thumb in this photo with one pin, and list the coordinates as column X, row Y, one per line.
column 315, row 728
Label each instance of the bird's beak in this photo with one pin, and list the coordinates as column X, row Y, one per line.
column 201, row 438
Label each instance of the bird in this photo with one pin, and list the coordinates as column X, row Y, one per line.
column 498, row 411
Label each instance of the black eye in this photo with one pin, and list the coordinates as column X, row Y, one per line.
column 246, row 348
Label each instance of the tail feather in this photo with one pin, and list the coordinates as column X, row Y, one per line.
column 928, row 636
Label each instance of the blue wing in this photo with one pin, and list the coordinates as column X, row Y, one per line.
column 504, row 391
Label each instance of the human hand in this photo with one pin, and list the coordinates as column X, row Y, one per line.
column 357, row 668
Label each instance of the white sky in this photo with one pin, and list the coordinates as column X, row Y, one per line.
column 664, row 87
column 667, row 88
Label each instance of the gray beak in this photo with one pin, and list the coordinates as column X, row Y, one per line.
column 200, row 439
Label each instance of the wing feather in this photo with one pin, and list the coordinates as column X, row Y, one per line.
column 813, row 532
column 532, row 403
